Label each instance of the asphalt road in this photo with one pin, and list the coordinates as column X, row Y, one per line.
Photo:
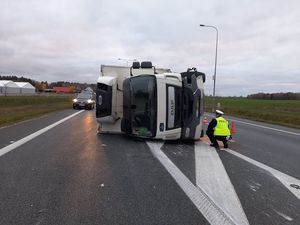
column 71, row 175
column 275, row 146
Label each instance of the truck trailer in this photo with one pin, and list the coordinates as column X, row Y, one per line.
column 148, row 102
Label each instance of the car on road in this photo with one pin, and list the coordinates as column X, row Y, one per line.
column 84, row 100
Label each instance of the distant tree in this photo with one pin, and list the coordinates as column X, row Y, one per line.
column 275, row 96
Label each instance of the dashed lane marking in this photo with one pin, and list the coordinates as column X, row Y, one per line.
column 34, row 135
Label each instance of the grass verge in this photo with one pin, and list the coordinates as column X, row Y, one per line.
column 281, row 112
column 18, row 108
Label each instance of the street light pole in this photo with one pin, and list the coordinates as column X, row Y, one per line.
column 216, row 57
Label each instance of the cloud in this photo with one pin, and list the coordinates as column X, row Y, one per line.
column 259, row 43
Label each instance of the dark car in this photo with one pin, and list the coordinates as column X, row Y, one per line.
column 84, row 100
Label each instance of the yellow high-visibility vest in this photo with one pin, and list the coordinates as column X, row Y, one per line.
column 221, row 129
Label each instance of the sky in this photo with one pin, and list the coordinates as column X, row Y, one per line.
column 68, row 40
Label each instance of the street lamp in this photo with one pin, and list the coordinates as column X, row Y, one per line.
column 127, row 60
column 216, row 55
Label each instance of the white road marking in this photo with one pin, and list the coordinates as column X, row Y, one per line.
column 265, row 127
column 213, row 179
column 269, row 128
column 286, row 217
column 34, row 135
column 200, row 199
column 285, row 179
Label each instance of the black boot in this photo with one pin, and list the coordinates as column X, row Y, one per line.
column 216, row 145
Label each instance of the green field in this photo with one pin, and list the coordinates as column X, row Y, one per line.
column 282, row 112
column 17, row 108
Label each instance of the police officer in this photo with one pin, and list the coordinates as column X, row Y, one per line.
column 218, row 129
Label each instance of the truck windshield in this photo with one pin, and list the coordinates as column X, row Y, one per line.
column 143, row 105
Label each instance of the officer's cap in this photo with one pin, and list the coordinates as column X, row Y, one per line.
column 219, row 112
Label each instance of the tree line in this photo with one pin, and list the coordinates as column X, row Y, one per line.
column 275, row 96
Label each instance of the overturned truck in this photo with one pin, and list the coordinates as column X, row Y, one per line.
column 147, row 102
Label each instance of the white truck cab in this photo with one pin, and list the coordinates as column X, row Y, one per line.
column 151, row 103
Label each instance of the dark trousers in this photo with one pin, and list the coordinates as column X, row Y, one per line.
column 213, row 139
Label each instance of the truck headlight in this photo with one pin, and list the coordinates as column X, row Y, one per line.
column 75, row 100
column 89, row 101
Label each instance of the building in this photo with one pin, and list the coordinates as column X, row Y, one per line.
column 8, row 87
column 63, row 89
column 25, row 88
